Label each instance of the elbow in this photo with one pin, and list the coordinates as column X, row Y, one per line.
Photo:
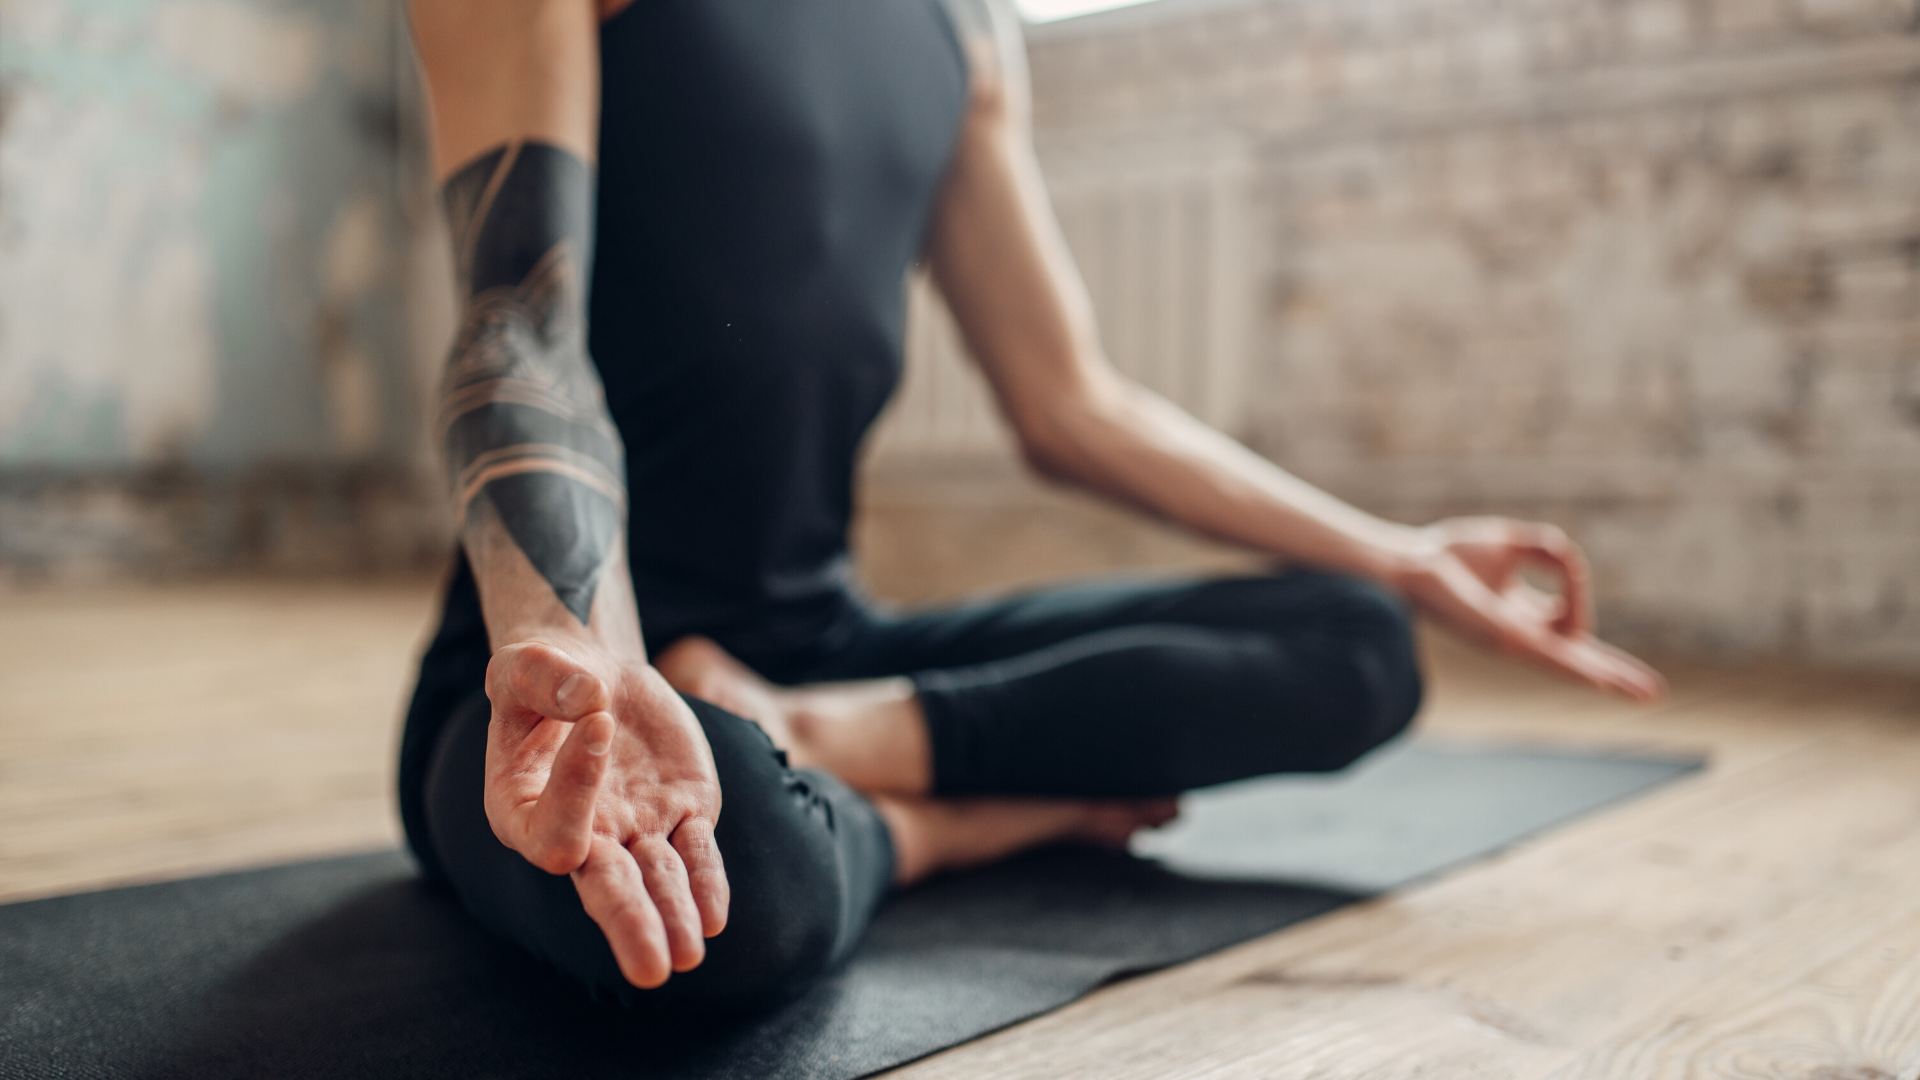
column 1049, row 448
column 1069, row 437
column 1043, row 459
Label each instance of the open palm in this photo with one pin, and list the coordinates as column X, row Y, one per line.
column 599, row 770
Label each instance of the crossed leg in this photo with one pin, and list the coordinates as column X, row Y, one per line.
column 872, row 729
column 1064, row 715
column 1110, row 698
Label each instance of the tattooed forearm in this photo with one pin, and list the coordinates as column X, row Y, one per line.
column 522, row 416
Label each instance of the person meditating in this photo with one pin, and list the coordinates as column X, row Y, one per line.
column 660, row 739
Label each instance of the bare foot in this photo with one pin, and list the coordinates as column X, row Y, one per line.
column 870, row 734
column 930, row 835
column 698, row 666
column 873, row 736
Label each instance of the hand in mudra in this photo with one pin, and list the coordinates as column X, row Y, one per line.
column 1468, row 576
column 598, row 770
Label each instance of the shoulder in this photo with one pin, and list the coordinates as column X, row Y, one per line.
column 995, row 48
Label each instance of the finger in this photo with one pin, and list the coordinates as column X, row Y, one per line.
column 1468, row 605
column 666, row 878
column 1465, row 602
column 556, row 830
column 615, row 896
column 520, row 753
column 1637, row 678
column 706, row 873
column 538, row 678
column 1599, row 665
column 1534, row 606
column 1550, row 547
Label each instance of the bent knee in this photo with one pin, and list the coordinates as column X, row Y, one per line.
column 773, row 950
column 770, row 952
column 786, row 920
column 1374, row 638
column 1387, row 689
column 783, row 923
column 1362, row 611
column 1394, row 695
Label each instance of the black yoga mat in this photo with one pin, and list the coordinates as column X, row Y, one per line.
column 351, row 967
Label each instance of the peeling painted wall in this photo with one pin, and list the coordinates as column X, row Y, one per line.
column 210, row 214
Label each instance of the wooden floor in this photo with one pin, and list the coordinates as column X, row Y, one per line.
column 156, row 733
column 1761, row 919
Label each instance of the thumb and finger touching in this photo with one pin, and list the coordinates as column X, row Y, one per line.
column 541, row 787
column 656, row 899
column 1550, row 549
column 1496, row 550
column 1486, row 602
column 1570, row 638
column 535, row 679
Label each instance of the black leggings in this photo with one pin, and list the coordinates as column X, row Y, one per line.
column 1111, row 690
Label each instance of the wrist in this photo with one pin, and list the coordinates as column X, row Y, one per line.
column 1401, row 554
column 579, row 642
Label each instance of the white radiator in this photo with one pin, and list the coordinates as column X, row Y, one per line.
column 1160, row 234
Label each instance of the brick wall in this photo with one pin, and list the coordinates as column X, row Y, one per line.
column 1643, row 267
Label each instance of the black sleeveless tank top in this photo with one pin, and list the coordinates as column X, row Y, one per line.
column 767, row 172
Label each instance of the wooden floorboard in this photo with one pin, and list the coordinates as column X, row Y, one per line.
column 1754, row 920
column 1761, row 918
column 158, row 732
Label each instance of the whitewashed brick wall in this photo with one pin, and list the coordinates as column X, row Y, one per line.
column 1644, row 267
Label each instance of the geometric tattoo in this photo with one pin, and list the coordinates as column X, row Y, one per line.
column 523, row 417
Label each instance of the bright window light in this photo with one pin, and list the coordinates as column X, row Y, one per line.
column 1049, row 10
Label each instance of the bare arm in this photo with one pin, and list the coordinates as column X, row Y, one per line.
column 595, row 768
column 999, row 259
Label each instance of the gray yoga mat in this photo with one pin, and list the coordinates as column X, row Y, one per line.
column 351, row 967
